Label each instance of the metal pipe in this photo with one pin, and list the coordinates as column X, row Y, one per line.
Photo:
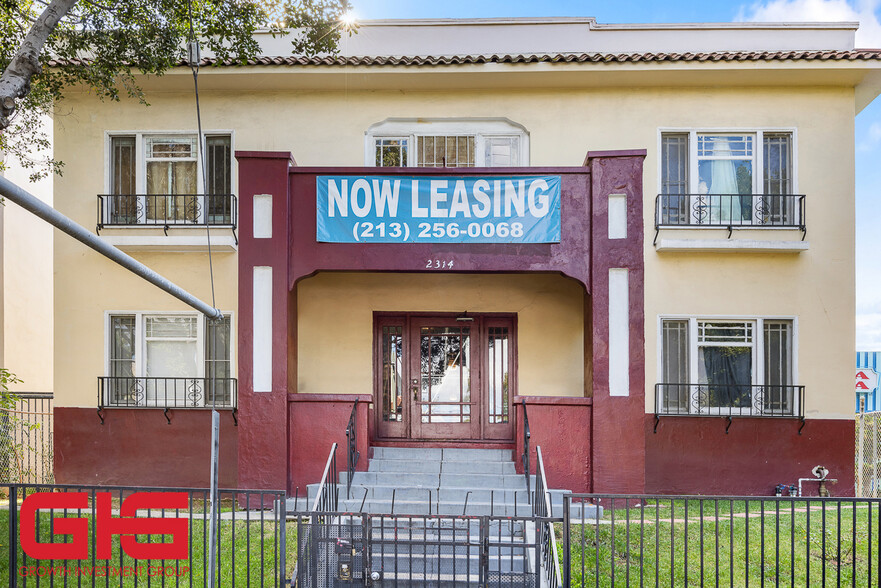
column 36, row 206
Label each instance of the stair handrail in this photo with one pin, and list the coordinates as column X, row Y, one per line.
column 550, row 562
column 352, row 453
column 327, row 498
column 524, row 459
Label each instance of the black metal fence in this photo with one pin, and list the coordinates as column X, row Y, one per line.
column 137, row 392
column 352, row 453
column 327, row 496
column 252, row 543
column 720, row 541
column 345, row 549
column 524, row 458
column 730, row 210
column 26, row 450
column 163, row 210
column 547, row 540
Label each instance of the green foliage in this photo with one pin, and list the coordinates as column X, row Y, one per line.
column 102, row 45
column 8, row 400
column 14, row 432
column 791, row 544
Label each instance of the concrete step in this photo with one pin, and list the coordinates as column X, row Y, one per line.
column 504, row 502
column 404, row 580
column 423, row 507
column 437, row 454
column 470, row 481
column 414, row 466
column 444, row 558
column 454, row 527
column 450, row 494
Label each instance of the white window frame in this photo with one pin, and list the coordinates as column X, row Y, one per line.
column 141, row 137
column 758, row 353
column 412, row 128
column 758, row 134
column 140, row 363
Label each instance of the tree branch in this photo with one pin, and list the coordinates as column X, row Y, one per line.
column 16, row 79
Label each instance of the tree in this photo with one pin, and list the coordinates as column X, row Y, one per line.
column 104, row 44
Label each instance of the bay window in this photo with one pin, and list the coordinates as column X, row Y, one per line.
column 168, row 360
column 727, row 367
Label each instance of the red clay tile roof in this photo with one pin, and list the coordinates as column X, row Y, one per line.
column 852, row 55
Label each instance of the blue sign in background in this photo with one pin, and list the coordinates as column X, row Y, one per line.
column 432, row 209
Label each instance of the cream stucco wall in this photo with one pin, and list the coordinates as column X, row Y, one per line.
column 335, row 324
column 26, row 283
column 327, row 128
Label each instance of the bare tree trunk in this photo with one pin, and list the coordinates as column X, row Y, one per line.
column 16, row 79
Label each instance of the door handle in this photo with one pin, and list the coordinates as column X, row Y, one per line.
column 415, row 385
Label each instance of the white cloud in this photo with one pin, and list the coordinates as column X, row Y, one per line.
column 868, row 332
column 872, row 139
column 864, row 11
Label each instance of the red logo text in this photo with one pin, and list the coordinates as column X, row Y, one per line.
column 126, row 525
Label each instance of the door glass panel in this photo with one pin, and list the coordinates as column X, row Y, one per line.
column 392, row 393
column 498, row 374
column 445, row 379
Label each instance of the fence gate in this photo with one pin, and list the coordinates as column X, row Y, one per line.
column 868, row 454
column 337, row 549
column 26, row 440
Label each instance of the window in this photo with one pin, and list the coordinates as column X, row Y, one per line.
column 728, row 179
column 447, row 143
column 156, row 179
column 728, row 367
column 168, row 360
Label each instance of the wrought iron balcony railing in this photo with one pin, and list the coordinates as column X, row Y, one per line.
column 166, row 210
column 729, row 400
column 136, row 392
column 730, row 211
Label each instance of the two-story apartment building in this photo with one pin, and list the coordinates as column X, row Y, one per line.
column 639, row 237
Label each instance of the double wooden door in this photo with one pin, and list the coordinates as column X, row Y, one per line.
column 444, row 376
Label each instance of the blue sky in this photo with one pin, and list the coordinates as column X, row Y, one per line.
column 868, row 122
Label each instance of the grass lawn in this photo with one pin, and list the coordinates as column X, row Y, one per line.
column 795, row 546
column 241, row 561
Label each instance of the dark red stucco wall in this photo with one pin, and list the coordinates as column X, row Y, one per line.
column 561, row 427
column 317, row 421
column 263, row 415
column 618, row 447
column 695, row 456
column 137, row 447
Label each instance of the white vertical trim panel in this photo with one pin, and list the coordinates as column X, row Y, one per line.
column 262, row 345
column 262, row 216
column 617, row 217
column 619, row 332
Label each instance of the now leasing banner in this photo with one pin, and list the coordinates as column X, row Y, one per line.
column 396, row 209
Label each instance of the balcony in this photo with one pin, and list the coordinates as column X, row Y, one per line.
column 167, row 393
column 750, row 213
column 729, row 401
column 129, row 221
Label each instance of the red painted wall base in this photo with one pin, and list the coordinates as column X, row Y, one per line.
column 695, row 456
column 561, row 427
column 317, row 421
column 137, row 447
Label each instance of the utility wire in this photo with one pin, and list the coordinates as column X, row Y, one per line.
column 193, row 58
